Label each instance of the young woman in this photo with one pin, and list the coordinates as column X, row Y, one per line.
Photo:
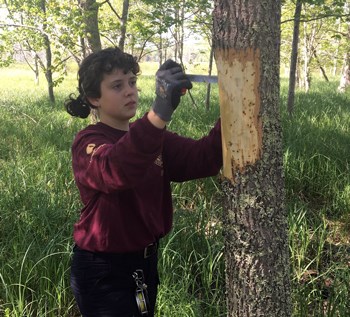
column 123, row 171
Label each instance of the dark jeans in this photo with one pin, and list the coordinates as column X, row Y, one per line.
column 103, row 284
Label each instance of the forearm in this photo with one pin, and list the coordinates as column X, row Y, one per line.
column 188, row 159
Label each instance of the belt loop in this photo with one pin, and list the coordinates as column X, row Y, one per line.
column 150, row 250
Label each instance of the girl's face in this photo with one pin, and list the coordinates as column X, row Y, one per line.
column 119, row 99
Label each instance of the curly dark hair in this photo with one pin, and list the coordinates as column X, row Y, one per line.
column 90, row 76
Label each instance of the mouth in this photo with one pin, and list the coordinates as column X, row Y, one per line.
column 131, row 104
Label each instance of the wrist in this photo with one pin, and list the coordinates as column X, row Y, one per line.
column 156, row 120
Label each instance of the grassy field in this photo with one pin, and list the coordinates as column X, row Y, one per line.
column 39, row 204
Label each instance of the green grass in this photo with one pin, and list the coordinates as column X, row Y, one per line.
column 39, row 204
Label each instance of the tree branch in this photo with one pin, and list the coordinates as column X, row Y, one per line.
column 338, row 32
column 320, row 17
column 2, row 25
column 113, row 10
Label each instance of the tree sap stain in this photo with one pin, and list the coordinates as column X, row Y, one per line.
column 239, row 93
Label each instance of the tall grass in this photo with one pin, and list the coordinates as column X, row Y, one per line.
column 39, row 204
column 316, row 162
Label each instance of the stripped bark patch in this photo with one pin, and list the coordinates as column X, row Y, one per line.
column 239, row 79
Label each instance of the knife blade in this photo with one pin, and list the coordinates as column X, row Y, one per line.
column 202, row 78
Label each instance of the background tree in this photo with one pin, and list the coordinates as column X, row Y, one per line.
column 201, row 23
column 45, row 34
column 114, row 25
column 123, row 20
column 294, row 57
column 345, row 77
column 316, row 18
column 92, row 41
column 48, row 51
column 246, row 46
column 31, row 21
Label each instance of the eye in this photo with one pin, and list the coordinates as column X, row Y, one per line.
column 133, row 82
column 117, row 86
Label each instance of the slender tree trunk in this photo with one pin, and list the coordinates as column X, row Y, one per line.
column 92, row 34
column 83, row 47
column 298, row 74
column 207, row 98
column 176, row 34
column 306, row 75
column 36, row 69
column 48, row 72
column 336, row 53
column 246, row 46
column 182, row 31
column 48, row 54
column 179, row 32
column 160, row 50
column 294, row 58
column 309, row 49
column 345, row 77
column 323, row 71
column 124, row 21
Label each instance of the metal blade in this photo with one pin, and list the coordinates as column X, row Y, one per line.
column 202, row 78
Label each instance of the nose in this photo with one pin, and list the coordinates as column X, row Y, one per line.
column 130, row 90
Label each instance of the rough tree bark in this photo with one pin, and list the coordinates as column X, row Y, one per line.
column 246, row 42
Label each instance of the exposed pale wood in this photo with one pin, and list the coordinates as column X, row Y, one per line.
column 239, row 78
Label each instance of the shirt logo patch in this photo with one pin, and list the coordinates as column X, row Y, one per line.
column 159, row 161
column 90, row 148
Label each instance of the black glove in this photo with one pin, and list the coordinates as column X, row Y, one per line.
column 171, row 84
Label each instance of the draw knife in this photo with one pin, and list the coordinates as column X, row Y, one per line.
column 202, row 78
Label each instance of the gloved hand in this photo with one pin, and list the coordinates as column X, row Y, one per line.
column 171, row 84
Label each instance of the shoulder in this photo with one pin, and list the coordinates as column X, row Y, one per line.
column 90, row 131
column 93, row 136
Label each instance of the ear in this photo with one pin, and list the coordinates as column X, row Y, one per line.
column 94, row 101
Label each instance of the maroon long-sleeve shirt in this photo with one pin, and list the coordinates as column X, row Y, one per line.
column 124, row 181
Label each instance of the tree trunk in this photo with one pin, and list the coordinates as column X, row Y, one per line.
column 336, row 53
column 323, row 71
column 160, row 50
column 310, row 39
column 179, row 32
column 182, row 33
column 176, row 33
column 345, row 77
column 48, row 72
column 207, row 98
column 246, row 46
column 92, row 34
column 83, row 48
column 36, row 69
column 294, row 58
column 48, row 55
column 123, row 21
column 307, row 59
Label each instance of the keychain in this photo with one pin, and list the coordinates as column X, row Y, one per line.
column 141, row 293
